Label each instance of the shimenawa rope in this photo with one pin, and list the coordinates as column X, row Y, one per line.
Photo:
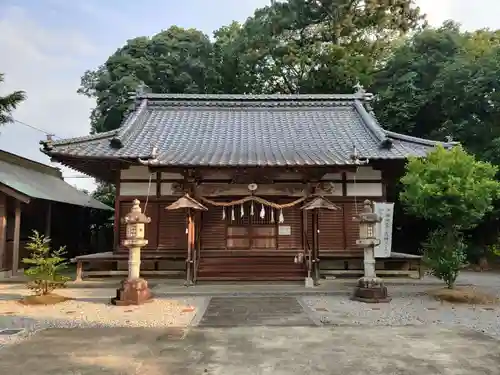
column 255, row 199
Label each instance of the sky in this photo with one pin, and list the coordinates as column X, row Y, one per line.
column 46, row 45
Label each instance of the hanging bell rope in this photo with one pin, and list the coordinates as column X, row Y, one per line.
column 254, row 198
column 149, row 192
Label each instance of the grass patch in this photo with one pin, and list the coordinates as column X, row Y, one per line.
column 47, row 299
column 468, row 295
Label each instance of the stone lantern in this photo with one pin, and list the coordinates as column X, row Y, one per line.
column 134, row 290
column 370, row 288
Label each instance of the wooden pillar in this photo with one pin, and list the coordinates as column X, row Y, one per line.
column 17, row 237
column 79, row 271
column 48, row 219
column 3, row 230
column 315, row 243
column 197, row 244
column 116, row 224
column 304, row 229
column 190, row 237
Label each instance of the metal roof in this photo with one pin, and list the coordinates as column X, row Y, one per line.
column 36, row 184
column 246, row 130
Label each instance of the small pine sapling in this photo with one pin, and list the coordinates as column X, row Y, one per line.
column 46, row 265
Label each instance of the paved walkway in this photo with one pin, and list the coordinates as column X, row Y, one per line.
column 254, row 350
column 237, row 333
column 255, row 311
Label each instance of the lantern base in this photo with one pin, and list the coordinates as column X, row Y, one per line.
column 371, row 290
column 132, row 292
column 309, row 282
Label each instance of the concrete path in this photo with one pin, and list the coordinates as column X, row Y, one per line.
column 255, row 311
column 254, row 350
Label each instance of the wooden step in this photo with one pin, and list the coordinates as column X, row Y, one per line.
column 247, row 261
column 250, row 278
column 269, row 253
column 248, row 264
column 250, row 268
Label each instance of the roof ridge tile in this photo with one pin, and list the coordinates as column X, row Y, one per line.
column 417, row 140
column 249, row 98
column 246, row 104
column 372, row 124
column 124, row 132
column 85, row 138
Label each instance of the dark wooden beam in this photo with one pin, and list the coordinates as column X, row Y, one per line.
column 17, row 237
column 116, row 223
column 3, row 230
column 14, row 194
column 48, row 219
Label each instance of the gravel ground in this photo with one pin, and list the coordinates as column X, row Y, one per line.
column 409, row 306
column 90, row 309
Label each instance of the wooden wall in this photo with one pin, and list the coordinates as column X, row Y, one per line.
column 167, row 231
column 4, row 261
column 213, row 230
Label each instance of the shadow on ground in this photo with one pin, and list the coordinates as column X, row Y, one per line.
column 254, row 350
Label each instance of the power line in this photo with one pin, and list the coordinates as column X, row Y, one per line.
column 47, row 133
column 77, row 177
column 36, row 128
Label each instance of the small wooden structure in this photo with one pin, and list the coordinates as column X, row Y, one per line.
column 193, row 250
column 31, row 196
column 252, row 162
column 316, row 204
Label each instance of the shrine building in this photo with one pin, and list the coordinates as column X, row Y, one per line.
column 241, row 187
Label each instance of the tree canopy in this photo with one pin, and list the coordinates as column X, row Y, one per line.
column 295, row 46
column 9, row 103
column 450, row 187
column 444, row 82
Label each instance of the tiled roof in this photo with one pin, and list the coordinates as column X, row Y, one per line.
column 246, row 130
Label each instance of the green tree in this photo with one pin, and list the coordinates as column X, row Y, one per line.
column 442, row 82
column 469, row 91
column 8, row 103
column 46, row 265
column 406, row 97
column 176, row 60
column 325, row 46
column 105, row 193
column 453, row 190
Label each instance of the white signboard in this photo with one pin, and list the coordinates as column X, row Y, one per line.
column 285, row 230
column 384, row 229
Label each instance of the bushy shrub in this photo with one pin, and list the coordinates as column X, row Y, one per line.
column 454, row 191
column 445, row 255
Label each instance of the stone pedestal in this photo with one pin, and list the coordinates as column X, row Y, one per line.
column 132, row 292
column 309, row 282
column 371, row 290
